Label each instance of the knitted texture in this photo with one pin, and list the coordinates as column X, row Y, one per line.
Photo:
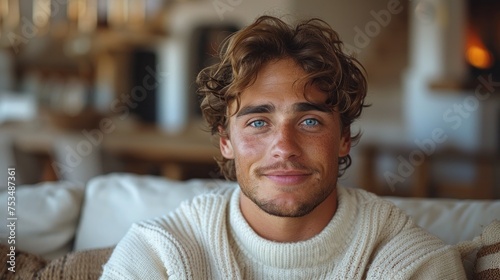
column 488, row 256
column 26, row 265
column 208, row 238
column 83, row 265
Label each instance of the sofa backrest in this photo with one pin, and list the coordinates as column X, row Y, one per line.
column 452, row 220
column 114, row 202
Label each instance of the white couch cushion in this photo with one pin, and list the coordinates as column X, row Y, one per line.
column 47, row 217
column 452, row 220
column 113, row 202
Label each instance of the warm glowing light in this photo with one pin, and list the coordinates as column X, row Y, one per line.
column 476, row 52
column 479, row 57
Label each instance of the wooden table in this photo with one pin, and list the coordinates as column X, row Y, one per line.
column 173, row 153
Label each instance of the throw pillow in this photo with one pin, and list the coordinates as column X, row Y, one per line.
column 114, row 202
column 488, row 257
column 47, row 216
column 77, row 265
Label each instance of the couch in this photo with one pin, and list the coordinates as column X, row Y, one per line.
column 68, row 230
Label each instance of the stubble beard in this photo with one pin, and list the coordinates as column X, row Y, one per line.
column 301, row 210
column 271, row 207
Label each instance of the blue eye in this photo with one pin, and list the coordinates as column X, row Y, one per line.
column 258, row 123
column 311, row 122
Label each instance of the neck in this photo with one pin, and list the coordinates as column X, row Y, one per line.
column 289, row 229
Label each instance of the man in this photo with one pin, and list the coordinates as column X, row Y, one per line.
column 282, row 100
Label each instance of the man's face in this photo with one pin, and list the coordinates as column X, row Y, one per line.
column 285, row 142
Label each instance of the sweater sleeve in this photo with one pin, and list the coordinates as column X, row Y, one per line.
column 410, row 252
column 134, row 258
column 439, row 264
column 445, row 264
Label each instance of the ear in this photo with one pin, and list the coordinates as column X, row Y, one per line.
column 345, row 143
column 226, row 147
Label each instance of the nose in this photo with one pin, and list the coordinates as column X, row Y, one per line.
column 286, row 144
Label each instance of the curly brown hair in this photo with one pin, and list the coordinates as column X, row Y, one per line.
column 312, row 44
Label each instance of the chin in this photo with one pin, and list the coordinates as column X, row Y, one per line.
column 289, row 205
column 288, row 212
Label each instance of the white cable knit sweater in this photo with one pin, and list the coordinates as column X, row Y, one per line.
column 208, row 238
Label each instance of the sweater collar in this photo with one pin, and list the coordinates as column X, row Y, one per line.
column 331, row 241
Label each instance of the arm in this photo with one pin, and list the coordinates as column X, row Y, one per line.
column 413, row 253
column 445, row 264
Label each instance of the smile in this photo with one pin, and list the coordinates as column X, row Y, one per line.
column 287, row 177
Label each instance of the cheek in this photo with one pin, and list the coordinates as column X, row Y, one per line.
column 246, row 146
column 325, row 150
column 325, row 143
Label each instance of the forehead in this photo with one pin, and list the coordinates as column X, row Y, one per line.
column 283, row 82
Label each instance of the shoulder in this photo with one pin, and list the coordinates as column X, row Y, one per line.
column 403, row 248
column 380, row 216
column 182, row 236
column 416, row 254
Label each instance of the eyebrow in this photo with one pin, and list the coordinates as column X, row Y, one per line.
column 259, row 109
column 269, row 108
column 308, row 106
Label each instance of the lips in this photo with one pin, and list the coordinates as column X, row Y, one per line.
column 287, row 177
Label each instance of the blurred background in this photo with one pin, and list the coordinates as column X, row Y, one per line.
column 89, row 87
